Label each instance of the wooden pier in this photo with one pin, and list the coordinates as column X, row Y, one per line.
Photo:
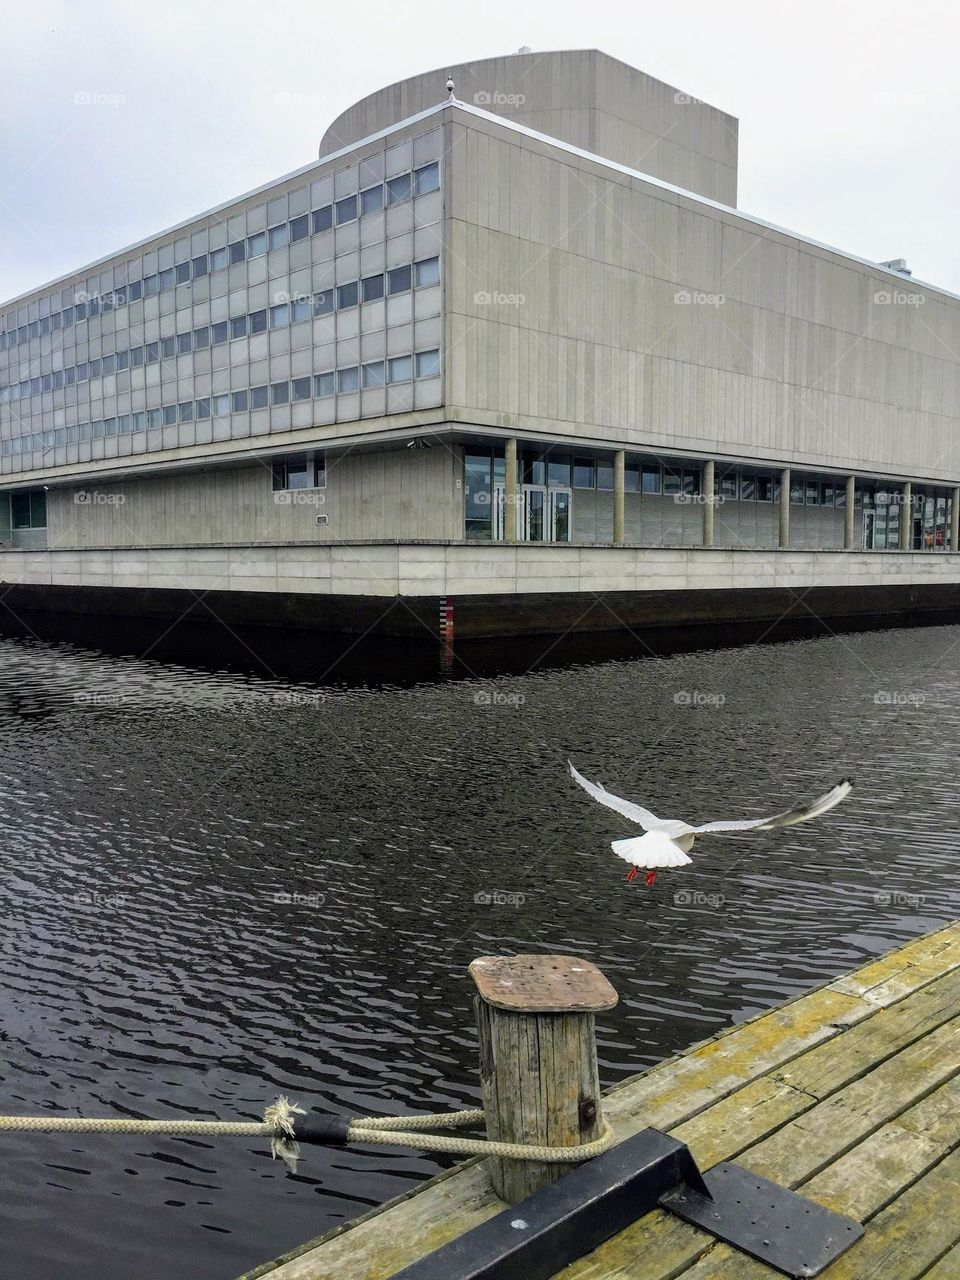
column 849, row 1094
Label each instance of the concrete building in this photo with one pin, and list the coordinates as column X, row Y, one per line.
column 506, row 352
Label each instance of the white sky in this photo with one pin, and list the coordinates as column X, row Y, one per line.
column 849, row 112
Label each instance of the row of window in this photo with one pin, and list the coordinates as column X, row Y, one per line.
column 393, row 191
column 306, row 307
column 377, row 373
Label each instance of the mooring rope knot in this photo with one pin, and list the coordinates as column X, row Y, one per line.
column 279, row 1123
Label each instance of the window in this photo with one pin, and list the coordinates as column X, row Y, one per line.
column 827, row 493
column 428, row 364
column 107, row 366
column 168, row 348
column 81, row 307
column 237, row 251
column 182, row 272
column 371, row 200
column 323, row 303
column 346, row 209
column 200, row 266
column 218, row 333
column 279, row 392
column 299, row 471
column 257, row 245
column 134, row 293
column 166, row 279
column 136, row 361
column 300, row 309
column 301, row 389
column 201, row 338
column 764, row 487
column 277, row 236
column 259, row 397
column 185, row 411
column 324, row 384
column 169, row 418
column 651, row 479
column 28, row 509
column 94, row 370
column 796, row 491
column 428, row 272
column 279, row 316
column 558, row 470
column 583, row 473
column 218, row 259
column 221, row 406
column 202, row 409
column 427, row 179
column 154, row 418
column 400, row 369
column 258, row 321
column 604, row 475
column 671, row 483
column 322, row 218
column 151, row 287
column 727, row 485
column 812, row 493
column 398, row 189
column 239, row 402
column 748, row 486
column 299, row 228
column 631, row 477
column 348, row 379
column 347, row 295
column 373, row 374
column 372, row 288
column 238, row 327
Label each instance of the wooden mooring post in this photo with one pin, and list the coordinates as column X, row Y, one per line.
column 538, row 1059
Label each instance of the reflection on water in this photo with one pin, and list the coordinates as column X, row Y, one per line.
column 218, row 885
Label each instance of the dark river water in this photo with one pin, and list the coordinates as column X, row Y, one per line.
column 217, row 886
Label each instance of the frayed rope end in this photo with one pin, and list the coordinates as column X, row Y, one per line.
column 279, row 1121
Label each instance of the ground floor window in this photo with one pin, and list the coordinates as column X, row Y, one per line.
column 300, row 471
column 28, row 509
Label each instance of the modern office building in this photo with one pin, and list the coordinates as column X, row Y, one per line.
column 508, row 354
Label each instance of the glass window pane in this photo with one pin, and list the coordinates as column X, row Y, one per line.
column 257, row 245
column 323, row 303
column 400, row 369
column 238, row 327
column 428, row 272
column 185, row 411
column 200, row 266
column 347, row 295
column 427, row 178
column 324, row 384
column 259, row 397
column 399, row 279
column 558, row 470
column 371, row 200
column 348, row 379
column 279, row 392
column 183, row 272
column 428, row 364
column 202, row 408
column 237, row 251
column 650, row 478
column 373, row 374
column 584, row 476
column 372, row 288
column 398, row 189
column 166, row 279
column 301, row 389
column 604, row 475
column 218, row 259
column 258, row 321
column 299, row 228
column 346, row 209
column 278, row 236
column 279, row 316
column 239, row 402
column 221, row 405
column 301, row 309
column 322, row 218
column 184, row 343
column 201, row 338
column 631, row 477
column 218, row 332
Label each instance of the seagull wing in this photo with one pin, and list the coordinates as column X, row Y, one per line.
column 789, row 817
column 635, row 812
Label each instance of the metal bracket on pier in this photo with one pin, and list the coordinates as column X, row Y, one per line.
column 561, row 1222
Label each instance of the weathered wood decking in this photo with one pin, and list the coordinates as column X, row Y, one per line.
column 851, row 1093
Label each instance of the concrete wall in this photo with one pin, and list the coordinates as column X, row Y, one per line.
column 582, row 302
column 584, row 97
column 404, row 493
column 386, row 570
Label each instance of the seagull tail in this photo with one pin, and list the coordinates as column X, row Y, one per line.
column 650, row 854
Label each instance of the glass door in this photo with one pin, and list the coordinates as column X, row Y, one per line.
column 534, row 525
column 561, row 507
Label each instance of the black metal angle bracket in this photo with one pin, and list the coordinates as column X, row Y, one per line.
column 559, row 1223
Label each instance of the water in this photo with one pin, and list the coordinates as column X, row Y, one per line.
column 216, row 886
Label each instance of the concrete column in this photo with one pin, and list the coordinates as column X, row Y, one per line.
column 510, row 491
column 955, row 520
column 619, row 467
column 906, row 517
column 849, row 514
column 709, row 505
column 784, row 508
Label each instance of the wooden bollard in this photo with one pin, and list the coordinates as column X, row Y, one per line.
column 538, row 1059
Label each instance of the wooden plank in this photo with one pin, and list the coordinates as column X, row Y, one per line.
column 948, row 1268
column 392, row 1236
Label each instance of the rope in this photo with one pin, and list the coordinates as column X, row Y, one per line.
column 278, row 1125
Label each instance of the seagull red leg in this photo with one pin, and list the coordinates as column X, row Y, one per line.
column 632, row 873
column 649, row 877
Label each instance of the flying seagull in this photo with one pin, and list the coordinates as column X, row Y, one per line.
column 667, row 841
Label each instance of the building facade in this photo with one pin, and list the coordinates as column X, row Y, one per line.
column 511, row 344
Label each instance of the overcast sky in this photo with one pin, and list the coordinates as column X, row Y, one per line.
column 849, row 116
